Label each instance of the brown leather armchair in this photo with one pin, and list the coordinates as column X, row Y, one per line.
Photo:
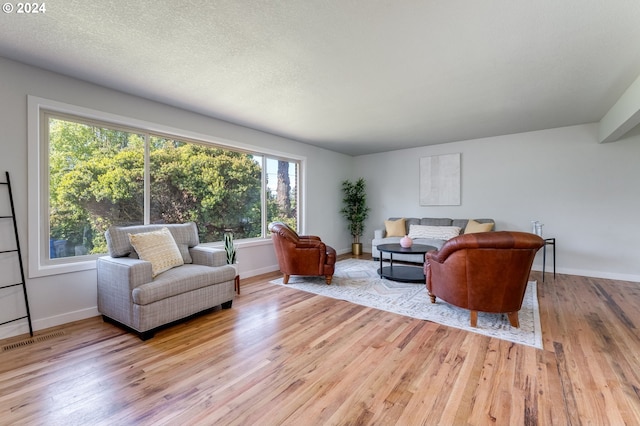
column 301, row 254
column 486, row 272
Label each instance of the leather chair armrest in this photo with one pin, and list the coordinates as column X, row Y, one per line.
column 331, row 256
column 307, row 243
column 460, row 242
column 314, row 245
column 427, row 272
column 436, row 256
column 309, row 237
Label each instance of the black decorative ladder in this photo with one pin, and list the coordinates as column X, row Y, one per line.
column 19, row 253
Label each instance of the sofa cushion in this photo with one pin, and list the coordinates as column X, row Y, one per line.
column 436, row 221
column 184, row 234
column 473, row 227
column 433, row 232
column 395, row 228
column 181, row 280
column 159, row 248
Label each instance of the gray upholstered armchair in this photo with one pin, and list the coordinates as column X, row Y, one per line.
column 130, row 294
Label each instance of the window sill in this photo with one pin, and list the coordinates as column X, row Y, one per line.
column 71, row 267
column 64, row 268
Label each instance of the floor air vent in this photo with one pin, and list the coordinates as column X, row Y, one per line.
column 32, row 340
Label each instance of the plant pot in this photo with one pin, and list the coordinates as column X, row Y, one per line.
column 236, row 267
column 356, row 248
column 236, row 280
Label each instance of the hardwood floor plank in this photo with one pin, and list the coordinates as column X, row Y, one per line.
column 285, row 357
column 461, row 398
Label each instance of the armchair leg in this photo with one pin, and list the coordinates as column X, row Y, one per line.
column 513, row 319
column 474, row 318
column 328, row 278
column 285, row 280
column 432, row 297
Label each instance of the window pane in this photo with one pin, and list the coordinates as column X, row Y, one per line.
column 217, row 188
column 282, row 192
column 95, row 181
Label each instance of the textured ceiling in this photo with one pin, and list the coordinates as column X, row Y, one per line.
column 351, row 76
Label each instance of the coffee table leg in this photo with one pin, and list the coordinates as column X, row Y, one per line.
column 390, row 264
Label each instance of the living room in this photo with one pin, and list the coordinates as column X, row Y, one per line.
column 562, row 177
column 583, row 191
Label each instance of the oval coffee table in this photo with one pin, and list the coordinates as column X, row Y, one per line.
column 406, row 274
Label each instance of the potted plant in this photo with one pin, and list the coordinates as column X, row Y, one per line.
column 231, row 257
column 229, row 248
column 355, row 210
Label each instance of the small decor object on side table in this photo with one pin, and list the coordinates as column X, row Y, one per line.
column 406, row 242
column 231, row 257
column 536, row 228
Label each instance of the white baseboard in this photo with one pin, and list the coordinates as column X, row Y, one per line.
column 14, row 329
column 345, row 251
column 22, row 327
column 259, row 271
column 589, row 273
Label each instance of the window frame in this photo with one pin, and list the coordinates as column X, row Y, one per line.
column 39, row 263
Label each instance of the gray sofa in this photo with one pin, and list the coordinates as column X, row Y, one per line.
column 128, row 294
column 380, row 237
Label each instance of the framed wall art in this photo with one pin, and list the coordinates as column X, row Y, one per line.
column 440, row 180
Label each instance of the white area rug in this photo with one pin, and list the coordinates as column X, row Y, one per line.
column 357, row 281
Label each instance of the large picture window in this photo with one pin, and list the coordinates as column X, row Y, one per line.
column 95, row 174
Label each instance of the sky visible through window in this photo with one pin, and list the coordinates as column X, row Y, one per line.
column 272, row 174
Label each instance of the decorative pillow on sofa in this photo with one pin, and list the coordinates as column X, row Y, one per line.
column 395, row 228
column 159, row 248
column 473, row 227
column 433, row 232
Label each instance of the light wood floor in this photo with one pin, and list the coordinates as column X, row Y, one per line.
column 282, row 356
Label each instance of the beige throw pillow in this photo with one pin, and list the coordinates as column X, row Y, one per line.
column 473, row 227
column 159, row 248
column 395, row 228
column 433, row 232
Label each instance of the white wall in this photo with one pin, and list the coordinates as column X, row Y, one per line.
column 66, row 297
column 585, row 193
